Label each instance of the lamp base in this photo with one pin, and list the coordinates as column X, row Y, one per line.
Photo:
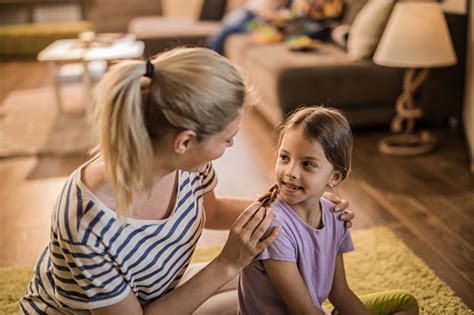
column 408, row 144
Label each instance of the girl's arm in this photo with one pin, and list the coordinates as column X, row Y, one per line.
column 221, row 212
column 242, row 245
column 286, row 278
column 341, row 296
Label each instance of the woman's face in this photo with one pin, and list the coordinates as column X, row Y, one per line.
column 211, row 148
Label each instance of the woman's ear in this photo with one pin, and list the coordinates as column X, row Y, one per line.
column 336, row 178
column 183, row 140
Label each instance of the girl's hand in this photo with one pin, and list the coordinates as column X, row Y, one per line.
column 245, row 237
column 341, row 205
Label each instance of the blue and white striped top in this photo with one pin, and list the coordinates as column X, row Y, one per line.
column 93, row 261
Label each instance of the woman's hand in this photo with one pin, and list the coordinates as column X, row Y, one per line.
column 341, row 205
column 245, row 237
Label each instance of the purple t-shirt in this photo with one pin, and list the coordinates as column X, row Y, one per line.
column 313, row 250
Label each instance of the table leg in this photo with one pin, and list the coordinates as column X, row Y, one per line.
column 54, row 66
column 87, row 82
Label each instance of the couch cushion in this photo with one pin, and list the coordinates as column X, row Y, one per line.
column 340, row 34
column 367, row 28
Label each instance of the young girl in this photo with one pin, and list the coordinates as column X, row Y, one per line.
column 126, row 223
column 304, row 265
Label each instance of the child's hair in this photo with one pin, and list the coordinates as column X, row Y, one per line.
column 188, row 89
column 330, row 128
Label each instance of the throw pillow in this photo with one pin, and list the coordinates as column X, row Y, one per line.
column 367, row 28
column 340, row 34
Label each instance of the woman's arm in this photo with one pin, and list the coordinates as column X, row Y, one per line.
column 242, row 245
column 221, row 212
column 341, row 296
column 286, row 278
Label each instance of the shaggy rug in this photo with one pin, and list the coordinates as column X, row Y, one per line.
column 30, row 123
column 380, row 262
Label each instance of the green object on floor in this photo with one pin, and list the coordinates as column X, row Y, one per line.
column 380, row 262
column 27, row 40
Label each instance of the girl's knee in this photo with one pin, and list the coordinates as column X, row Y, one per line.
column 408, row 298
column 391, row 302
column 406, row 301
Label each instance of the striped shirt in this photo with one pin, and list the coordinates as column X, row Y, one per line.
column 93, row 261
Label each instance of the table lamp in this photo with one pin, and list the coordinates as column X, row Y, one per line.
column 417, row 38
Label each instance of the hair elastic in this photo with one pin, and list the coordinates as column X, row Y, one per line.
column 150, row 69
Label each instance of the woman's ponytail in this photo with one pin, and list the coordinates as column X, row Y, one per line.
column 123, row 138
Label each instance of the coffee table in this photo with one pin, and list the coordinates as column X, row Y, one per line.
column 73, row 51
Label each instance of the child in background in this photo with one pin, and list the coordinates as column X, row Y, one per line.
column 236, row 21
column 304, row 265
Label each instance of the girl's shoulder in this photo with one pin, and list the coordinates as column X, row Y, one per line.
column 331, row 217
column 283, row 213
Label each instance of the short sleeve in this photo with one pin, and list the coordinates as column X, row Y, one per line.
column 345, row 244
column 208, row 179
column 282, row 248
column 86, row 277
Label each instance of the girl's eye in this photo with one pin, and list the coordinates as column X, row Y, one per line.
column 309, row 165
column 283, row 157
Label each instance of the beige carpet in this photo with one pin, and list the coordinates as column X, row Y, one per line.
column 30, row 123
column 381, row 262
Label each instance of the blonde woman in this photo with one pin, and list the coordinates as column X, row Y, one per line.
column 126, row 223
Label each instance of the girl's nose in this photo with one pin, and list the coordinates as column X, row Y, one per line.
column 291, row 172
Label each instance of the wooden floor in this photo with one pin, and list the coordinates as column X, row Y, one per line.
column 428, row 200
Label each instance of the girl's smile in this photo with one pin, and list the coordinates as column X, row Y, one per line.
column 290, row 188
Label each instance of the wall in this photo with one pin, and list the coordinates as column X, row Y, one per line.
column 462, row 7
column 469, row 100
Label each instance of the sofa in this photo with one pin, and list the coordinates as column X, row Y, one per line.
column 367, row 92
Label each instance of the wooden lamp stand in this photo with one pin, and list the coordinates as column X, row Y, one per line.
column 405, row 142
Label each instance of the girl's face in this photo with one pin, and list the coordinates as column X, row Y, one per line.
column 212, row 147
column 302, row 170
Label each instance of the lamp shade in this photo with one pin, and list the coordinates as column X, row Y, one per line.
column 416, row 36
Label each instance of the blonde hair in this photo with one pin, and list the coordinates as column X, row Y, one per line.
column 330, row 128
column 191, row 89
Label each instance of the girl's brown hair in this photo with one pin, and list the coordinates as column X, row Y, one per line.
column 330, row 128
